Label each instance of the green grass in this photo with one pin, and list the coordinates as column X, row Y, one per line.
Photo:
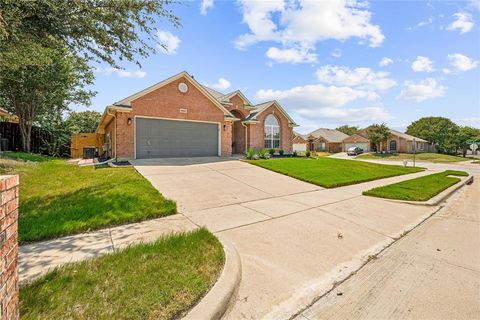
column 26, row 156
column 418, row 189
column 331, row 173
column 59, row 199
column 148, row 281
column 429, row 157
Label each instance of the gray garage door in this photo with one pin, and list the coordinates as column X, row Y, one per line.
column 157, row 138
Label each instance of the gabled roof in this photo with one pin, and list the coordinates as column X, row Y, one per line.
column 406, row 136
column 210, row 94
column 259, row 108
column 330, row 135
column 402, row 135
column 224, row 98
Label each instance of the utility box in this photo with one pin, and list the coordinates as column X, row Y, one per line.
column 89, row 152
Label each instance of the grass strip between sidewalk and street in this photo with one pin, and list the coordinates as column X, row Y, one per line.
column 418, row 189
column 161, row 280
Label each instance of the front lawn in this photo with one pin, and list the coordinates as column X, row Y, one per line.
column 331, row 173
column 59, row 199
column 148, row 281
column 418, row 189
column 429, row 157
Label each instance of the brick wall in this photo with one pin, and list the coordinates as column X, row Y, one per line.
column 8, row 247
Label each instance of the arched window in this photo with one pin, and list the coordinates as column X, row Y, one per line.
column 393, row 145
column 272, row 132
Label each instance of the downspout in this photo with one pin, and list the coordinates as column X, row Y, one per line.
column 246, row 136
column 114, row 115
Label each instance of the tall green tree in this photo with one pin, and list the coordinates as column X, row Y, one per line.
column 35, row 34
column 437, row 130
column 31, row 91
column 377, row 133
column 348, row 130
column 100, row 30
column 84, row 121
column 465, row 136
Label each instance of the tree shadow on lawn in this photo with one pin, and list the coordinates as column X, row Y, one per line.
column 46, row 217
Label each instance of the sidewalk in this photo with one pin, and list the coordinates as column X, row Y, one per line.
column 38, row 258
column 432, row 273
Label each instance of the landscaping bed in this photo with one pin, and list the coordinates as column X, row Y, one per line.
column 331, row 173
column 428, row 157
column 59, row 199
column 162, row 280
column 418, row 189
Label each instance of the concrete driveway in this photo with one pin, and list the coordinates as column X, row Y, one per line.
column 294, row 239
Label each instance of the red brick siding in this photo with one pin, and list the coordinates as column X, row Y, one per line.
column 166, row 102
column 9, row 248
column 256, row 131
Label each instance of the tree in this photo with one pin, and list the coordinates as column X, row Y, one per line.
column 35, row 34
column 348, row 130
column 377, row 133
column 436, row 130
column 465, row 136
column 85, row 121
column 100, row 30
column 31, row 91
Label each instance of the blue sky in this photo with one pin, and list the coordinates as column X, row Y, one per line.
column 327, row 62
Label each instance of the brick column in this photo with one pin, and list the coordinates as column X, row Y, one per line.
column 8, row 247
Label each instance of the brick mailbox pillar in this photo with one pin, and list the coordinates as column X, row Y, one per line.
column 8, row 247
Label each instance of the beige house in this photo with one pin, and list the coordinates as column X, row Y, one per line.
column 323, row 139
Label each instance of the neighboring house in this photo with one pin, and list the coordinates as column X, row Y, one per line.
column 179, row 117
column 398, row 142
column 299, row 142
column 329, row 140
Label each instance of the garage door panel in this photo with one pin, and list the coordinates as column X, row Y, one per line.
column 157, row 138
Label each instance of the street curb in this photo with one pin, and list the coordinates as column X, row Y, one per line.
column 439, row 198
column 216, row 302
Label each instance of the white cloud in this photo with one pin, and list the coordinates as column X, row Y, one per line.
column 422, row 23
column 304, row 23
column 337, row 53
column 315, row 96
column 422, row 64
column 423, row 90
column 221, row 84
column 361, row 78
column 475, row 4
column 346, row 115
column 122, row 73
column 205, row 5
column 326, row 103
column 291, row 55
column 463, row 22
column 385, row 62
column 460, row 62
column 168, row 42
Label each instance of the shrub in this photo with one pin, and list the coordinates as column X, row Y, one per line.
column 295, row 154
column 307, row 153
column 250, row 154
column 281, row 152
column 263, row 154
column 271, row 151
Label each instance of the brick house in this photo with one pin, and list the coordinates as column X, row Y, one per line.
column 324, row 139
column 398, row 142
column 179, row 117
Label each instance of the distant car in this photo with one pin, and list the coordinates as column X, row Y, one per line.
column 354, row 151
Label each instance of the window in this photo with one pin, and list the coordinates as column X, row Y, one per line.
column 272, row 132
column 393, row 145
